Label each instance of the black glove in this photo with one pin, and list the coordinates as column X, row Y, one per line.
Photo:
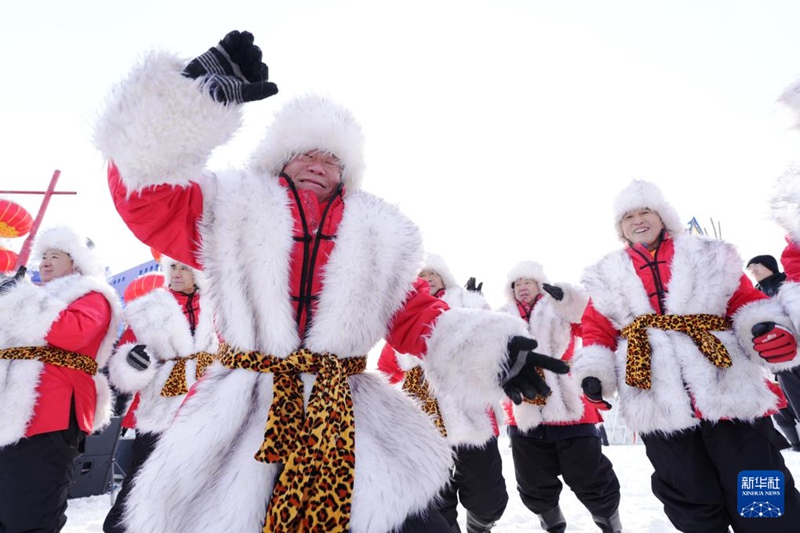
column 593, row 391
column 233, row 70
column 521, row 380
column 8, row 282
column 138, row 357
column 472, row 287
column 552, row 290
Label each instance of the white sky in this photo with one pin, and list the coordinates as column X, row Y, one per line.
column 503, row 128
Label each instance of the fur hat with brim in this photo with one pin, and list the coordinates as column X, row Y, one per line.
column 313, row 123
column 527, row 270
column 166, row 263
column 643, row 194
column 79, row 248
column 436, row 263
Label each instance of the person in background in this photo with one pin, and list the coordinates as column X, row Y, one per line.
column 307, row 272
column 557, row 436
column 168, row 345
column 700, row 401
column 764, row 269
column 477, row 480
column 54, row 338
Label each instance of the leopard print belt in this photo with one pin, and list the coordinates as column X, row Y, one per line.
column 315, row 488
column 176, row 382
column 637, row 365
column 52, row 356
column 417, row 386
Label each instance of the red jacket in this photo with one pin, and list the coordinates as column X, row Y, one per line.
column 80, row 328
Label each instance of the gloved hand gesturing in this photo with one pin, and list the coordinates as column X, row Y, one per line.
column 472, row 287
column 521, row 380
column 6, row 283
column 233, row 70
column 773, row 342
column 138, row 357
column 593, row 390
column 552, row 290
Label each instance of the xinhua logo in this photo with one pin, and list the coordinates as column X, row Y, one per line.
column 760, row 493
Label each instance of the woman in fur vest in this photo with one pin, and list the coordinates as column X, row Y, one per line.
column 53, row 339
column 680, row 334
column 306, row 273
column 477, row 480
column 557, row 435
column 167, row 346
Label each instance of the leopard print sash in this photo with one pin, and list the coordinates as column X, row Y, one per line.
column 637, row 365
column 315, row 488
column 417, row 386
column 176, row 382
column 52, row 356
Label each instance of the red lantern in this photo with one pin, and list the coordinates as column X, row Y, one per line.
column 8, row 260
column 142, row 285
column 156, row 254
column 15, row 221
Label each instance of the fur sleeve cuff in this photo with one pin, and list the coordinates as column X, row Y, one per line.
column 572, row 305
column 26, row 314
column 160, row 127
column 102, row 411
column 772, row 310
column 599, row 362
column 124, row 376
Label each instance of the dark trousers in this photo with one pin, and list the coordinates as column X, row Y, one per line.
column 35, row 476
column 430, row 521
column 478, row 483
column 696, row 475
column 539, row 459
column 789, row 381
column 143, row 446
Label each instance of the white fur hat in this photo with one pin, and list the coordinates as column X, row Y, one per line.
column 166, row 263
column 791, row 99
column 313, row 123
column 79, row 248
column 524, row 269
column 640, row 194
column 437, row 264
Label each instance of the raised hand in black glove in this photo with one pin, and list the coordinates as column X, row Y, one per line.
column 522, row 379
column 138, row 357
column 472, row 287
column 233, row 70
column 6, row 283
column 593, row 391
column 552, row 290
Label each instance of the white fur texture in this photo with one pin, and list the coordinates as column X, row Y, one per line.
column 68, row 240
column 640, row 194
column 550, row 324
column 159, row 126
column 524, row 269
column 27, row 312
column 437, row 263
column 705, row 273
column 784, row 202
column 308, row 123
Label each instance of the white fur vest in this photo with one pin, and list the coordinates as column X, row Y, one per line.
column 159, row 323
column 705, row 273
column 27, row 312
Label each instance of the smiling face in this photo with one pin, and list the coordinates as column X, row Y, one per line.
column 315, row 171
column 433, row 279
column 55, row 264
column 181, row 278
column 526, row 290
column 642, row 226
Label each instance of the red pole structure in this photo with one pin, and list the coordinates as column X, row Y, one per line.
column 22, row 259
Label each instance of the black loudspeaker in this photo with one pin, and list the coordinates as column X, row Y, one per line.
column 92, row 471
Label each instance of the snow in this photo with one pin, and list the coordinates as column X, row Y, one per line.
column 639, row 509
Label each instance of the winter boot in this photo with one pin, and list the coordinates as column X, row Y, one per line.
column 476, row 524
column 791, row 435
column 553, row 521
column 609, row 525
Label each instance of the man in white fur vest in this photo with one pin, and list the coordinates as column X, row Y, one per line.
column 680, row 334
column 54, row 338
column 477, row 479
column 306, row 273
column 168, row 345
column 557, row 435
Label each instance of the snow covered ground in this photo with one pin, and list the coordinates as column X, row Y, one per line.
column 640, row 511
